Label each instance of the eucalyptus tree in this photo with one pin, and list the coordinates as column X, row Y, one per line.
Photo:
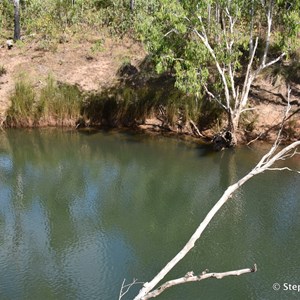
column 217, row 48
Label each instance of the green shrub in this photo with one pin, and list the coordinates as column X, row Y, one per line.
column 49, row 19
column 6, row 14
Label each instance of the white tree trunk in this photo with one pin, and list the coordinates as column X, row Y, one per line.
column 235, row 102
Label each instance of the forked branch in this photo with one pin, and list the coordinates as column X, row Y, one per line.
column 126, row 287
column 190, row 277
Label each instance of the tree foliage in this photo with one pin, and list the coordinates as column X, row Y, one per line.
column 50, row 18
column 218, row 47
column 169, row 34
column 215, row 49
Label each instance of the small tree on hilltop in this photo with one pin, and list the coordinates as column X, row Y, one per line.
column 218, row 47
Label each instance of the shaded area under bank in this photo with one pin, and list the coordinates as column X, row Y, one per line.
column 151, row 105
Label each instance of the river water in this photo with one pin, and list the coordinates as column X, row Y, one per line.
column 81, row 212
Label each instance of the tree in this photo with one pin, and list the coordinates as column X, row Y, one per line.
column 217, row 48
column 17, row 28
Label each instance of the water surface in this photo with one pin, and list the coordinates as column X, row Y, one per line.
column 81, row 212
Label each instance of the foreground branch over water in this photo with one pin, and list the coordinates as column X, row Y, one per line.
column 190, row 277
column 264, row 164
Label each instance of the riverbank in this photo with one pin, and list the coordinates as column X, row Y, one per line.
column 91, row 65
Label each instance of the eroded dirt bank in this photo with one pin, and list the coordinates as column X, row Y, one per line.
column 93, row 69
column 89, row 67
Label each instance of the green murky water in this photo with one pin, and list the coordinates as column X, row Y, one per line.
column 79, row 213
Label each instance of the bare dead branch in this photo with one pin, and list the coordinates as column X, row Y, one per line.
column 285, row 116
column 272, row 62
column 169, row 32
column 248, row 109
column 254, row 140
column 196, row 128
column 282, row 169
column 190, row 277
column 290, row 155
column 126, row 287
column 214, row 97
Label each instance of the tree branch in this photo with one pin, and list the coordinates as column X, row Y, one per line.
column 248, row 109
column 272, row 62
column 169, row 32
column 190, row 277
column 203, row 37
column 214, row 97
column 199, row 134
column 277, row 141
column 126, row 287
column 282, row 169
column 248, row 78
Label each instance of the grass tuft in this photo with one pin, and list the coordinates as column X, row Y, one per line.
column 56, row 104
column 21, row 110
column 59, row 101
